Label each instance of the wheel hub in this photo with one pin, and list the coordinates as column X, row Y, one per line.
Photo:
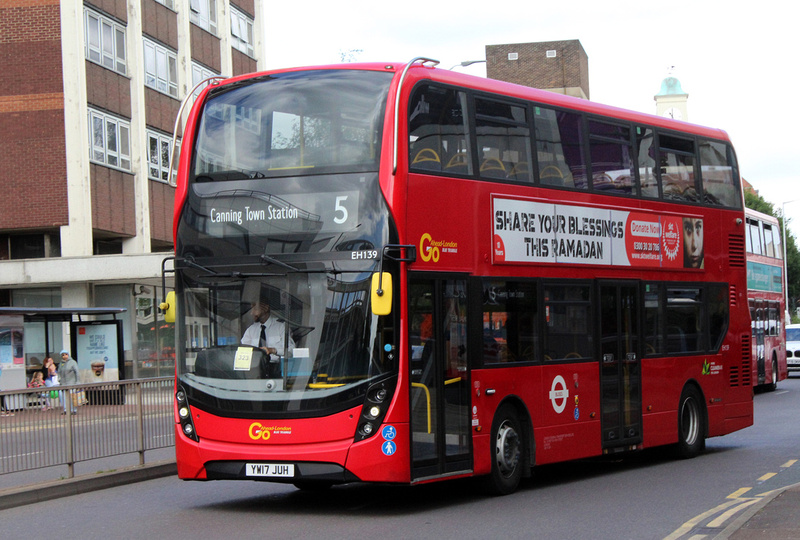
column 507, row 451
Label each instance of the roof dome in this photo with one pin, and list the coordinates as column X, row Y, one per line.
column 671, row 86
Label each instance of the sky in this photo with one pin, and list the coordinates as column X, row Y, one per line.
column 737, row 61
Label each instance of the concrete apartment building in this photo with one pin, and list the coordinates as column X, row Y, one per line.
column 88, row 100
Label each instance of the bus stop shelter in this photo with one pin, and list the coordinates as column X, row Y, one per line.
column 104, row 336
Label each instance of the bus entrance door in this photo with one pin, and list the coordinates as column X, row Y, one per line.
column 620, row 365
column 758, row 325
column 440, row 416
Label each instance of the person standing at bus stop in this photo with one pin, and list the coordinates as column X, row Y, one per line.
column 3, row 410
column 68, row 375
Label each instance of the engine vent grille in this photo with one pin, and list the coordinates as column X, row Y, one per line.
column 741, row 373
column 736, row 251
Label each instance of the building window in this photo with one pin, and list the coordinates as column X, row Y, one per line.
column 200, row 73
column 160, row 68
column 204, row 14
column 158, row 154
column 105, row 41
column 169, row 3
column 242, row 32
column 109, row 140
column 32, row 246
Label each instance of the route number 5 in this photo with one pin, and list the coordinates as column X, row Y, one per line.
column 340, row 208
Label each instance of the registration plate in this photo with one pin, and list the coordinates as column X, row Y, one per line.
column 270, row 470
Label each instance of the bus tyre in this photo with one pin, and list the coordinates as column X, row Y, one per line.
column 691, row 424
column 507, row 452
column 774, row 383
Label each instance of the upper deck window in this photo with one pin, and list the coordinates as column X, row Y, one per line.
column 612, row 158
column 504, row 140
column 676, row 169
column 559, row 148
column 716, row 167
column 308, row 122
column 438, row 131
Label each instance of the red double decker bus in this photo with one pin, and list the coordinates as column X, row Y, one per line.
column 397, row 273
column 766, row 298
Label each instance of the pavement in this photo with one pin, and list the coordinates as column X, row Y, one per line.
column 775, row 516
column 53, row 489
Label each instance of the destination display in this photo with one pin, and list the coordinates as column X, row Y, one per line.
column 526, row 231
column 326, row 212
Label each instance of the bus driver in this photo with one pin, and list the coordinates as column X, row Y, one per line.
column 267, row 332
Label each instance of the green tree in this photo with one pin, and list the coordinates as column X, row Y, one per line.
column 758, row 203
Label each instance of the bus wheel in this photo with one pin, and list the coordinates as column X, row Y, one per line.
column 691, row 424
column 774, row 384
column 508, row 447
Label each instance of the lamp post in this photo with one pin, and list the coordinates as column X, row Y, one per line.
column 785, row 267
column 466, row 63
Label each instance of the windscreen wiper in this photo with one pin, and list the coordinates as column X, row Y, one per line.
column 272, row 260
column 233, row 274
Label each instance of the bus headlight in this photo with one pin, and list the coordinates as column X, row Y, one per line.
column 185, row 415
column 375, row 408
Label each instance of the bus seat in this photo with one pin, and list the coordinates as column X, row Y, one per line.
column 493, row 168
column 428, row 159
column 458, row 162
column 520, row 171
column 551, row 176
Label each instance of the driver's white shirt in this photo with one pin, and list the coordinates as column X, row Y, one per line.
column 275, row 334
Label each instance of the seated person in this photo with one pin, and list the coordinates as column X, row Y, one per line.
column 267, row 332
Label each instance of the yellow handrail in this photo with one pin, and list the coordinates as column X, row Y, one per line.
column 428, row 394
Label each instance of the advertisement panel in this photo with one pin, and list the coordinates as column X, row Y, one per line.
column 764, row 277
column 97, row 347
column 526, row 231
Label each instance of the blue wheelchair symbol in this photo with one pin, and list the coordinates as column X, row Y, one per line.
column 389, row 433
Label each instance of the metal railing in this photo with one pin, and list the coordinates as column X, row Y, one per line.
column 110, row 419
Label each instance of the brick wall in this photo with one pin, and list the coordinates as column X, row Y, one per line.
column 569, row 68
column 160, row 110
column 160, row 22
column 115, row 8
column 242, row 63
column 162, row 201
column 248, row 6
column 108, row 90
column 32, row 144
column 113, row 201
column 205, row 48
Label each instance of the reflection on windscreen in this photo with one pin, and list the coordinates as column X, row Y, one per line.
column 312, row 120
column 793, row 334
column 261, row 338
